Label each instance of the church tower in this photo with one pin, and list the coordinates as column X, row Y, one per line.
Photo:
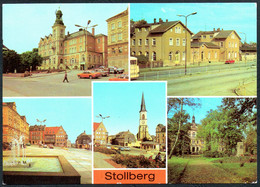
column 143, row 128
column 58, row 35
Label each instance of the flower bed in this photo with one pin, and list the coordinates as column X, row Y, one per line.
column 141, row 161
column 104, row 150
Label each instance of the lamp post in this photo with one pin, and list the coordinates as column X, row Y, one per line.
column 244, row 44
column 100, row 116
column 186, row 37
column 85, row 29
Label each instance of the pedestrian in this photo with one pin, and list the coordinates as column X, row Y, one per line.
column 158, row 158
column 115, row 70
column 65, row 77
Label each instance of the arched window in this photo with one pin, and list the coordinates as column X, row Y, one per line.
column 133, row 53
column 140, row 52
column 154, row 55
column 147, row 54
column 170, row 55
column 143, row 116
column 193, row 134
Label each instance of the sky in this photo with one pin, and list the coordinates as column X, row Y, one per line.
column 74, row 114
column 122, row 102
column 25, row 24
column 229, row 16
column 207, row 103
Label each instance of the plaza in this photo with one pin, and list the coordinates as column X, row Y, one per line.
column 80, row 159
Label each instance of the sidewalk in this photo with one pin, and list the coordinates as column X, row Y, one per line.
column 100, row 160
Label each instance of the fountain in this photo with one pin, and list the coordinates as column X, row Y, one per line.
column 19, row 168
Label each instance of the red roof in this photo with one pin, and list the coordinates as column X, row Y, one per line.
column 51, row 130
column 96, row 125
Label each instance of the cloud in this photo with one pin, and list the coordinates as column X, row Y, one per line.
column 163, row 10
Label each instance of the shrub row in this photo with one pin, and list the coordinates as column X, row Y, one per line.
column 104, row 150
column 141, row 161
column 235, row 159
column 214, row 154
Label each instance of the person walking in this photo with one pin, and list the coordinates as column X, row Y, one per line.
column 65, row 77
column 158, row 158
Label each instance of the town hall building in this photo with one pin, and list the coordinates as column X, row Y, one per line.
column 79, row 50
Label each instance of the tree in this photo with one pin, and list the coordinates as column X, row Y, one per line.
column 31, row 59
column 11, row 61
column 142, row 59
column 176, row 104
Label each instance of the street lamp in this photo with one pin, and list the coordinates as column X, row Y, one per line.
column 85, row 29
column 100, row 116
column 186, row 37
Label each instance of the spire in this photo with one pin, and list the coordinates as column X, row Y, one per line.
column 193, row 119
column 58, row 20
column 143, row 104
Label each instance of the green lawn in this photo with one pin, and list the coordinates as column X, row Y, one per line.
column 176, row 166
column 247, row 173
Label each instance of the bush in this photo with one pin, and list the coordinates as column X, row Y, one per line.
column 141, row 161
column 213, row 154
column 104, row 150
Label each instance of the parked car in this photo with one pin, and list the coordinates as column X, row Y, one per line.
column 127, row 148
column 230, row 62
column 45, row 146
column 104, row 72
column 89, row 74
column 121, row 77
column 51, row 146
column 28, row 144
column 121, row 148
column 114, row 148
column 120, row 70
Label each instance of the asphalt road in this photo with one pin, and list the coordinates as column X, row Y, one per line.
column 176, row 73
column 212, row 84
column 48, row 85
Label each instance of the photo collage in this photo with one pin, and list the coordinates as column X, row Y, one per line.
column 129, row 93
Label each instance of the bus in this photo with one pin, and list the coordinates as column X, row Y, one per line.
column 134, row 68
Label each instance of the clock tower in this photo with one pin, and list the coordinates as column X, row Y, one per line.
column 143, row 128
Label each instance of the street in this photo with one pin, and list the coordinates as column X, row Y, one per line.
column 212, row 80
column 80, row 159
column 49, row 85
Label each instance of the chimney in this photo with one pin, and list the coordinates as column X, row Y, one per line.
column 160, row 20
column 218, row 29
column 93, row 31
column 166, row 20
column 222, row 29
column 214, row 29
column 154, row 20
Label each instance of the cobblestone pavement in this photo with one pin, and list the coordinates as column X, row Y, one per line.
column 80, row 159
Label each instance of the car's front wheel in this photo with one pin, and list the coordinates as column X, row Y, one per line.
column 90, row 77
column 79, row 76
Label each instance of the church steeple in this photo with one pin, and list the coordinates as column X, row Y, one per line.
column 193, row 119
column 142, row 104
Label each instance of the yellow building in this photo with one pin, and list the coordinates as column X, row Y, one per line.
column 100, row 134
column 161, row 136
column 118, row 40
column 14, row 125
column 205, row 44
column 78, row 50
column 161, row 42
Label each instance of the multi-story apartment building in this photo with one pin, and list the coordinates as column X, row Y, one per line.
column 78, row 50
column 56, row 136
column 161, row 42
column 14, row 125
column 36, row 134
column 100, row 134
column 161, row 136
column 118, row 40
column 216, row 45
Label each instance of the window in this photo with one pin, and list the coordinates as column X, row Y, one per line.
column 113, row 51
column 113, row 26
column 80, row 40
column 113, row 38
column 177, row 30
column 120, row 49
column 216, row 54
column 211, row 36
column 154, row 55
column 120, row 36
column 98, row 41
column 170, row 41
column 229, row 44
column 140, row 53
column 171, row 29
column 154, row 41
column 138, row 29
column 133, row 53
column 147, row 54
column 170, row 56
column 133, row 42
column 204, row 36
column 193, row 134
column 229, row 55
column 232, row 44
column 140, row 42
column 80, row 48
column 221, row 44
column 235, row 44
column 177, row 41
column 119, row 24
column 146, row 29
column 183, row 55
column 183, row 42
column 209, row 55
column 146, row 41
column 235, row 54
